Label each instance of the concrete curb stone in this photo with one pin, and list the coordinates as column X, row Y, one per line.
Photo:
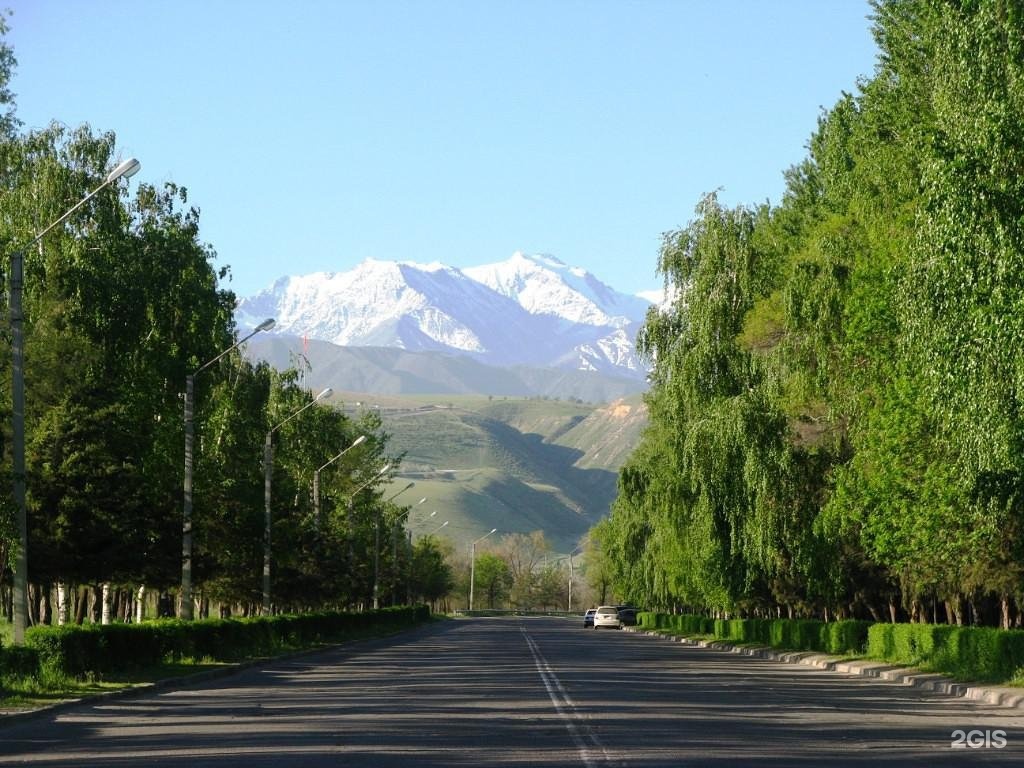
column 914, row 678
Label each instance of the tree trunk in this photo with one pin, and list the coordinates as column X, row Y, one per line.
column 105, row 600
column 33, row 604
column 81, row 604
column 62, row 603
column 1004, row 601
column 45, row 607
column 892, row 612
column 140, row 604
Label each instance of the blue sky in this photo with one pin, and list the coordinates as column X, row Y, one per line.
column 315, row 134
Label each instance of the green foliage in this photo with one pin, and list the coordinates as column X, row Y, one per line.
column 835, row 403
column 92, row 649
column 836, row 637
column 492, row 580
column 121, row 304
column 971, row 653
column 8, row 122
column 432, row 576
column 18, row 661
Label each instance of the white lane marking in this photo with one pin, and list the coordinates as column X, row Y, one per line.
column 590, row 748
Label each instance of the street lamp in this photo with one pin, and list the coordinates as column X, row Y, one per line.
column 268, row 471
column 442, row 525
column 383, row 470
column 472, row 563
column 20, row 592
column 186, row 522
column 316, row 476
column 351, row 509
column 575, row 550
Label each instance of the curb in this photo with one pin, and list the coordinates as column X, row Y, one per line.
column 908, row 676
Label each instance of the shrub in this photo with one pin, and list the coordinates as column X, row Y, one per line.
column 78, row 650
column 19, row 661
column 840, row 637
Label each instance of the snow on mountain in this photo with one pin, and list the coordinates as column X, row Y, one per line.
column 531, row 310
column 543, row 285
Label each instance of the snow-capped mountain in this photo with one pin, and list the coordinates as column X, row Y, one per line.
column 528, row 310
column 543, row 285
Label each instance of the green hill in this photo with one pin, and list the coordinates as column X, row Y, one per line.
column 514, row 464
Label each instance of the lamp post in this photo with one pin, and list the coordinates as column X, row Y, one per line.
column 268, row 471
column 376, row 544
column 186, row 518
column 472, row 563
column 316, row 476
column 575, row 550
column 369, row 482
column 351, row 509
column 20, row 592
column 442, row 525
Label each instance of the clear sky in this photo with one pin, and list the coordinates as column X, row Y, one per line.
column 315, row 133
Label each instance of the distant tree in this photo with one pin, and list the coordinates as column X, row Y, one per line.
column 550, row 589
column 431, row 571
column 492, row 579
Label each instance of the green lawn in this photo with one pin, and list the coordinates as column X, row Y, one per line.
column 32, row 693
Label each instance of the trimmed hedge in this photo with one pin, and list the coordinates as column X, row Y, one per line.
column 839, row 637
column 18, row 661
column 79, row 650
column 985, row 654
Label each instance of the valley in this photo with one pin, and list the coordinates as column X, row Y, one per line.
column 517, row 464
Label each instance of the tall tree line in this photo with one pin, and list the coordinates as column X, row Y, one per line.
column 122, row 303
column 836, row 402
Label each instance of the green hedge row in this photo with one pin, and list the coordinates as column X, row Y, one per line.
column 18, row 661
column 983, row 654
column 79, row 650
column 840, row 637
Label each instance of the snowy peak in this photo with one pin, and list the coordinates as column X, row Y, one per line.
column 544, row 285
column 532, row 310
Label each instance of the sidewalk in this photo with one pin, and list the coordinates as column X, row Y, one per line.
column 914, row 678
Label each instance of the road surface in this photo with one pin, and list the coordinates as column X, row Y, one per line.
column 522, row 692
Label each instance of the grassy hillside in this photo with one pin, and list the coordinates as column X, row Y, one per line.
column 397, row 371
column 516, row 464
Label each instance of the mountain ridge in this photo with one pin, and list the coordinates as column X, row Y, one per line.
column 528, row 310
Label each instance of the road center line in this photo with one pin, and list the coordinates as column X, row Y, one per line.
column 591, row 750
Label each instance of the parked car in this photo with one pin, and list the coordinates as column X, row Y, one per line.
column 627, row 615
column 588, row 618
column 607, row 616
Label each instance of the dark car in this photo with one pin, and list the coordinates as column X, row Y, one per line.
column 627, row 615
column 588, row 618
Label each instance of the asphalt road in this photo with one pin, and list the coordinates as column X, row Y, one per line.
column 517, row 692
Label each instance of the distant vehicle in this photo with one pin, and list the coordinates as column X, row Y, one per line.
column 627, row 615
column 588, row 618
column 607, row 616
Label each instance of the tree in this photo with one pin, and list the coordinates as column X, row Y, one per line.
column 524, row 554
column 492, row 579
column 431, row 573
